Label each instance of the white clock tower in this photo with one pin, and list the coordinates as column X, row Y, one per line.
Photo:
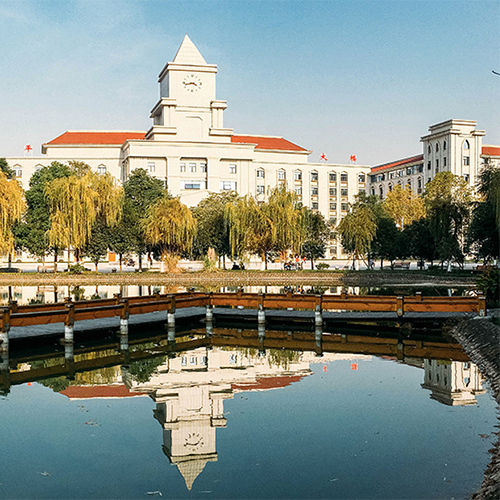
column 188, row 109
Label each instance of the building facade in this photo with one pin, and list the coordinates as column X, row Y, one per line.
column 454, row 146
column 190, row 148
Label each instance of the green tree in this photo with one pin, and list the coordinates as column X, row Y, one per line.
column 31, row 233
column 97, row 245
column 141, row 191
column 448, row 200
column 5, row 168
column 317, row 234
column 357, row 230
column 212, row 230
column 420, row 241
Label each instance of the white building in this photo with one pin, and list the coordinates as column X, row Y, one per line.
column 189, row 147
column 452, row 146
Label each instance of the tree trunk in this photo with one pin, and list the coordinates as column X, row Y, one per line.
column 120, row 256
column 381, row 264
column 140, row 261
column 312, row 264
column 10, row 260
column 264, row 257
column 55, row 260
column 224, row 262
column 96, row 264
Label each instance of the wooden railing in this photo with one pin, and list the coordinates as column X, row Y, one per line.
column 69, row 312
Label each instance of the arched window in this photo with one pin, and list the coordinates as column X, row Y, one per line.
column 437, row 146
column 101, row 169
column 281, row 175
column 466, row 144
column 297, row 175
column 381, row 191
column 260, row 173
column 390, row 186
column 429, row 149
column 444, row 145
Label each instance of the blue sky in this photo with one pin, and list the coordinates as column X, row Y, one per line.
column 340, row 77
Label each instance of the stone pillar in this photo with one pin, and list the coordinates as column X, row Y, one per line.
column 69, row 323
column 318, row 338
column 262, row 335
column 171, row 313
column 209, row 314
column 124, row 314
column 171, row 334
column 123, row 341
column 318, row 317
column 4, row 328
column 261, row 316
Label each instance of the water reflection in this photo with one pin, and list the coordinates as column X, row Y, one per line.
column 189, row 377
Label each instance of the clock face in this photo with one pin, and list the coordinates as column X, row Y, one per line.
column 193, row 441
column 192, row 83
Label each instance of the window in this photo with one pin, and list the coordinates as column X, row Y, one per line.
column 466, row 145
column 18, row 171
column 193, row 360
column 184, row 361
column 314, row 205
column 333, row 206
column 297, row 175
column 437, row 146
column 260, row 174
column 466, row 177
column 204, row 360
column 421, row 168
column 390, row 187
column 409, row 171
column 281, row 175
column 333, row 250
column 151, row 166
column 361, row 178
column 343, row 192
column 101, row 169
column 466, row 160
column 203, row 168
column 333, row 221
column 233, row 358
column 298, row 191
column 314, row 176
column 232, row 168
column 428, row 165
column 444, row 161
column 444, row 145
column 429, row 149
column 381, row 177
column 419, row 183
column 437, row 165
column 260, row 189
column 381, row 191
column 193, row 184
column 391, row 175
column 182, row 167
column 344, row 207
column 192, row 167
column 228, row 186
column 314, row 191
column 333, row 177
column 333, row 191
column 343, row 177
column 38, row 168
column 373, row 191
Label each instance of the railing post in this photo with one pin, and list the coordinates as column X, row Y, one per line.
column 69, row 322
column 124, row 315
column 261, row 313
column 318, row 313
column 481, row 305
column 418, row 295
column 4, row 328
column 117, row 297
column 400, row 306
column 13, row 306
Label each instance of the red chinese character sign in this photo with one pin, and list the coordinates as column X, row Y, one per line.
column 354, row 366
column 323, row 157
column 353, row 159
column 28, row 149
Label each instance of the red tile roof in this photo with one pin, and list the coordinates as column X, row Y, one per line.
column 398, row 163
column 267, row 142
column 266, row 383
column 98, row 391
column 491, row 151
column 96, row 137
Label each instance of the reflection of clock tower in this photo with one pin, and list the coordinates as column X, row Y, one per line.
column 187, row 109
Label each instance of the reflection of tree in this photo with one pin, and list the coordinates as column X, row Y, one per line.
column 142, row 370
column 78, row 293
column 282, row 358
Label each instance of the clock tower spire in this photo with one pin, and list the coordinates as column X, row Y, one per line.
column 188, row 109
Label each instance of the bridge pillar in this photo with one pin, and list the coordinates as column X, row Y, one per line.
column 171, row 313
column 69, row 323
column 4, row 328
column 400, row 306
column 209, row 314
column 261, row 316
column 400, row 352
column 318, row 317
column 124, row 315
column 123, row 341
column 4, row 372
column 318, row 337
column 171, row 334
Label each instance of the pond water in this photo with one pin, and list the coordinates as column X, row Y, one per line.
column 213, row 420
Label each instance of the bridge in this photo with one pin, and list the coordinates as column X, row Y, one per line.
column 69, row 312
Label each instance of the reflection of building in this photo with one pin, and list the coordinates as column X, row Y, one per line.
column 452, row 382
column 189, row 391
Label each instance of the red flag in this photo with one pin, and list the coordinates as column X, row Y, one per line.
column 323, row 157
column 353, row 158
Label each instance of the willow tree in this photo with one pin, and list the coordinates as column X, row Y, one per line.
column 250, row 228
column 357, row 230
column 287, row 220
column 77, row 202
column 404, row 206
column 12, row 205
column 170, row 226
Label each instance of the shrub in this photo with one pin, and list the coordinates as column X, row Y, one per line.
column 76, row 268
column 322, row 266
